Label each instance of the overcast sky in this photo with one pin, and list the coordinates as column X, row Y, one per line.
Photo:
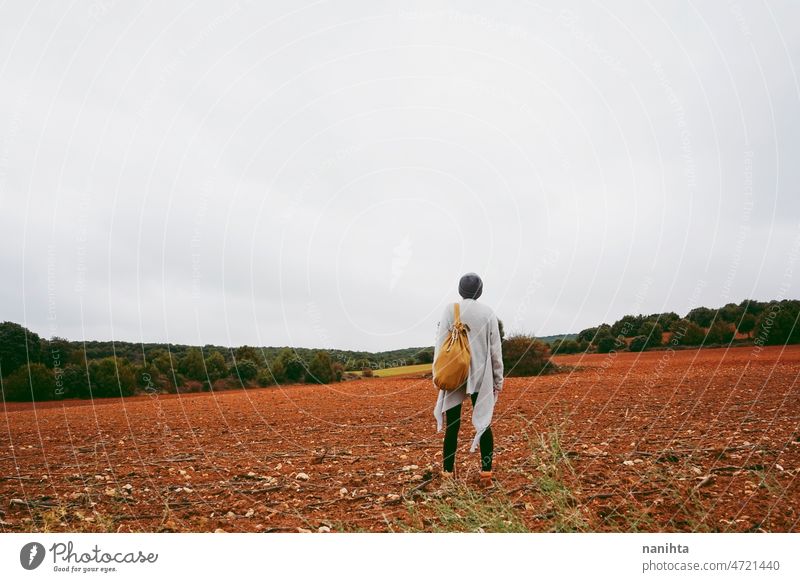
column 320, row 174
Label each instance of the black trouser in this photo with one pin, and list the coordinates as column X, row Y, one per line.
column 453, row 420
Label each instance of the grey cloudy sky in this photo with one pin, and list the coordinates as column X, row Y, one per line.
column 321, row 173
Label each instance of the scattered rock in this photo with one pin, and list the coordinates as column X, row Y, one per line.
column 706, row 480
column 302, row 477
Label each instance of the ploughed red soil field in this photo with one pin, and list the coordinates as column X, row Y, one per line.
column 692, row 440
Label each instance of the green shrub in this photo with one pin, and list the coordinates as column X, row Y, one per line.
column 424, row 356
column 295, row 369
column 34, row 382
column 148, row 378
column 719, row 333
column 111, row 377
column 702, row 316
column 75, row 381
column 192, row 365
column 165, row 361
column 338, row 371
column 687, row 333
column 566, row 346
column 216, row 368
column 18, row 346
column 778, row 325
column 747, row 323
column 524, row 355
column 265, row 377
column 320, row 370
column 652, row 333
column 638, row 343
column 606, row 344
column 244, row 370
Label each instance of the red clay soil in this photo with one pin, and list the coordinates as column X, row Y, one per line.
column 703, row 440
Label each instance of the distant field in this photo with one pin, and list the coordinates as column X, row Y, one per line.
column 399, row 371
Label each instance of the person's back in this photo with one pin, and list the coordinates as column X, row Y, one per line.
column 485, row 375
column 482, row 322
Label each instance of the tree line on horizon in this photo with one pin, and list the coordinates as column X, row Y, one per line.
column 32, row 368
column 756, row 322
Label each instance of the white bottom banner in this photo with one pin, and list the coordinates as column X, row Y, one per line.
column 412, row 557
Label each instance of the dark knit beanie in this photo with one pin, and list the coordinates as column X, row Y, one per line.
column 470, row 286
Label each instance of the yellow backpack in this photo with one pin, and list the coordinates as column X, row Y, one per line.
column 451, row 368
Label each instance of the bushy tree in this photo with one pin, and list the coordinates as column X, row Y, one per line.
column 588, row 334
column 362, row 363
column 730, row 313
column 294, row 369
column 719, row 333
column 266, row 377
column 278, row 371
column 216, row 367
column 320, row 369
column 338, row 371
column 56, row 352
column 248, row 353
column 687, row 333
column 524, row 355
column 34, row 382
column 652, row 333
column 192, row 365
column 638, row 343
column 111, row 377
column 424, row 356
column 778, row 325
column 149, row 378
column 75, row 381
column 627, row 326
column 702, row 316
column 165, row 361
column 747, row 324
column 18, row 346
column 752, row 307
column 244, row 370
column 566, row 346
column 606, row 344
column 665, row 320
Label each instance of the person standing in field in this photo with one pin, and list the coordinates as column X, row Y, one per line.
column 483, row 385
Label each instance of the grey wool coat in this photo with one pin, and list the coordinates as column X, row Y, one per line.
column 485, row 368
